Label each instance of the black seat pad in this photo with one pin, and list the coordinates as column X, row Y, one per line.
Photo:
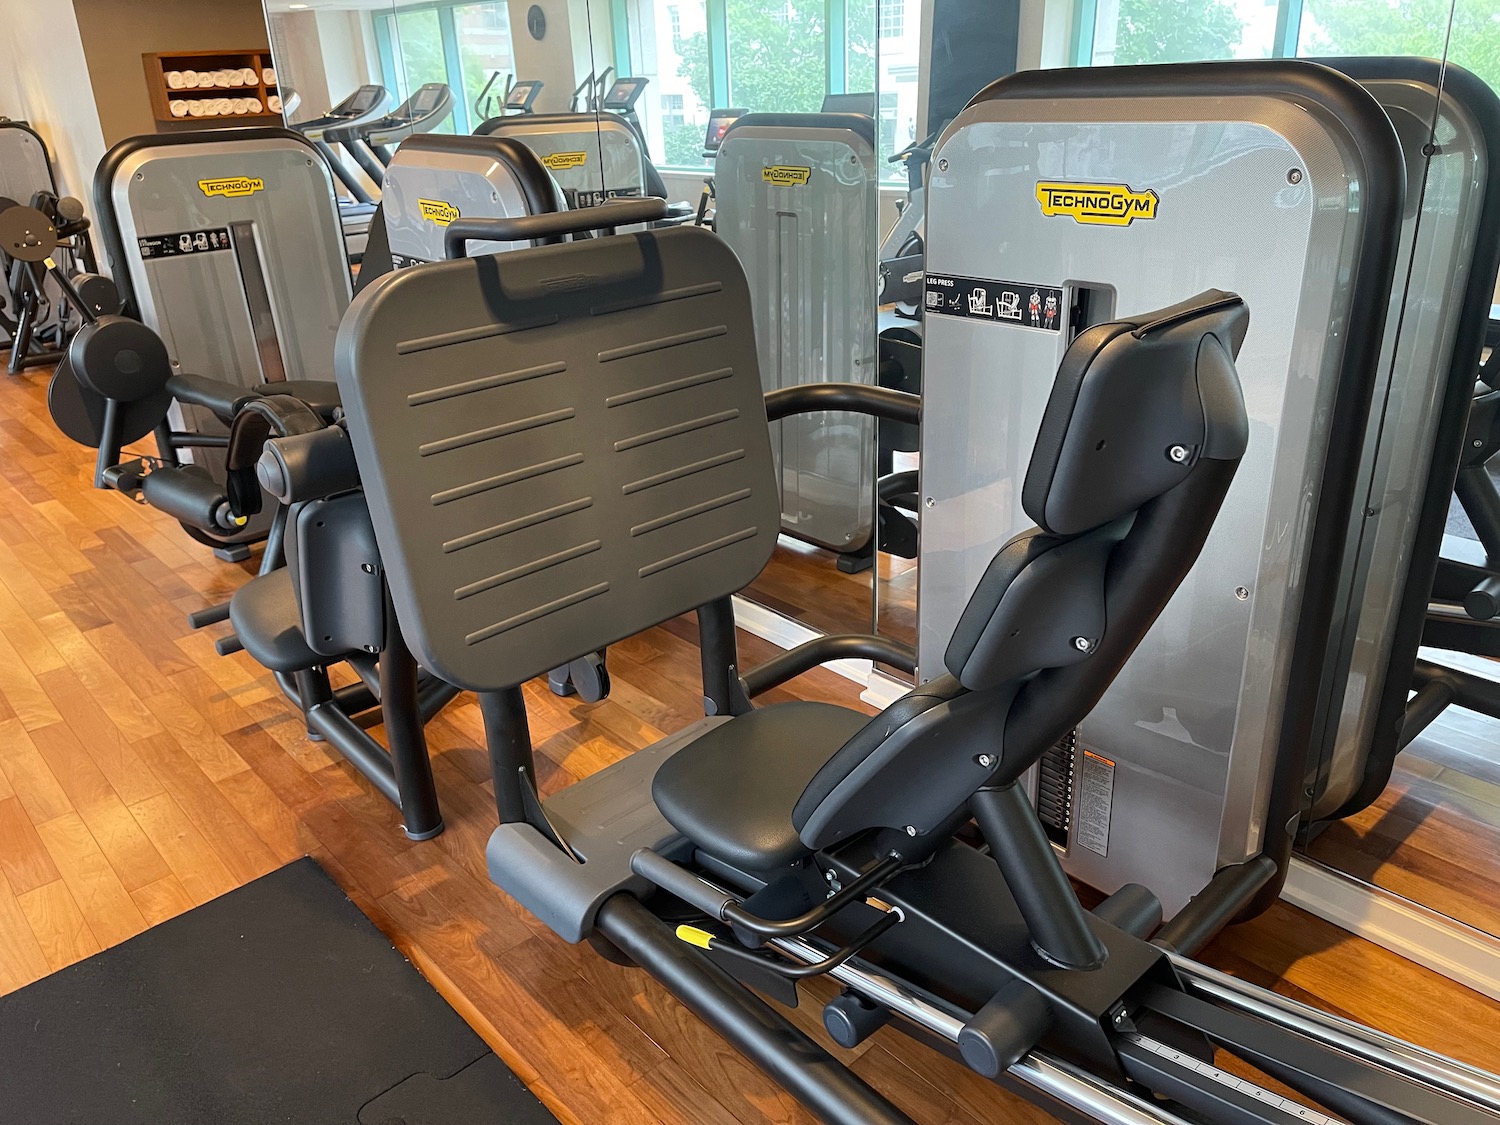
column 320, row 394
column 732, row 790
column 268, row 623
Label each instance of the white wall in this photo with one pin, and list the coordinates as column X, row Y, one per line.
column 552, row 60
column 44, row 78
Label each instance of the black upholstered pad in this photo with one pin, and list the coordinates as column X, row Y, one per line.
column 320, row 394
column 732, row 790
column 225, row 399
column 561, row 446
column 266, row 620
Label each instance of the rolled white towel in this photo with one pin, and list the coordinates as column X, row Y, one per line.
column 236, row 78
column 252, row 105
column 222, row 79
column 268, row 76
column 241, row 105
column 179, row 107
column 195, row 108
column 273, row 103
column 174, row 79
column 225, row 105
column 205, row 80
column 189, row 79
column 249, row 75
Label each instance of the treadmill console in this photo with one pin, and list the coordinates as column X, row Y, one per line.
column 719, row 122
column 624, row 94
column 522, row 95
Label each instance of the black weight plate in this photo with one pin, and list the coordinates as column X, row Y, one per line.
column 120, row 358
column 26, row 234
column 79, row 412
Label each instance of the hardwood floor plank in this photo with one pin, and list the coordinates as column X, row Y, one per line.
column 163, row 899
column 21, row 958
column 189, row 856
column 23, row 860
column 58, row 925
column 28, row 774
column 104, row 902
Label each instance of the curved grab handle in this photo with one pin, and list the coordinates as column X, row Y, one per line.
column 551, row 224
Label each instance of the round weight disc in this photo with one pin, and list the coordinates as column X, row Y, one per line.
column 79, row 411
column 98, row 293
column 26, row 234
column 120, row 358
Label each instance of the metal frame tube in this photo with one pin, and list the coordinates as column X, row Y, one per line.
column 820, row 650
column 804, row 1069
column 410, row 762
column 358, row 748
column 1376, row 1047
column 507, row 733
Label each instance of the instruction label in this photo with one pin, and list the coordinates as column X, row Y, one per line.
column 1016, row 303
column 1096, row 796
column 594, row 198
column 403, row 261
column 184, row 242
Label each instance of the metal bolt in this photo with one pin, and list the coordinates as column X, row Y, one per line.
column 930, row 502
column 1082, row 644
column 1478, row 443
column 911, row 829
column 986, row 760
column 1178, row 453
column 943, row 164
column 368, row 568
column 1294, row 176
column 1242, row 592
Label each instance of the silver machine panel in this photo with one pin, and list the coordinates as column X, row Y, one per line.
column 593, row 157
column 1445, row 193
column 25, row 167
column 426, row 188
column 230, row 247
column 1115, row 205
column 798, row 204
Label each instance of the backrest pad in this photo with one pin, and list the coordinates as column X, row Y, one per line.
column 561, row 446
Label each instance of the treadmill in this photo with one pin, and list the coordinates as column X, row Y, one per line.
column 356, row 209
column 370, row 140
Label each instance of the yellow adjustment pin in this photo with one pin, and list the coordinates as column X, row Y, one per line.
column 50, row 264
column 694, row 936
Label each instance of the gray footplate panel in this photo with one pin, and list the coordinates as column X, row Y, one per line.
column 605, row 818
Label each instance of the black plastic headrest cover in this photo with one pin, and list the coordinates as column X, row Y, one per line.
column 1135, row 404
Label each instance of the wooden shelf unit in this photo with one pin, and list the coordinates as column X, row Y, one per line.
column 158, row 63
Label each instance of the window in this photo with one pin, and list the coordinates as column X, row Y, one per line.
column 669, row 45
column 1158, row 31
column 462, row 45
column 777, row 55
column 892, row 19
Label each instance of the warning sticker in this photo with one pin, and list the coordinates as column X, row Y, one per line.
column 1096, row 795
column 577, row 199
column 1015, row 303
column 185, row 242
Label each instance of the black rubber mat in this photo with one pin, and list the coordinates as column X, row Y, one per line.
column 279, row 1002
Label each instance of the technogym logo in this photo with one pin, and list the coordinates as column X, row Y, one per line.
column 436, row 211
column 231, row 186
column 562, row 161
column 786, row 175
column 1103, row 205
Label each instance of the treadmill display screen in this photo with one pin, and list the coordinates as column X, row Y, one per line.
column 520, row 95
column 623, row 94
column 718, row 124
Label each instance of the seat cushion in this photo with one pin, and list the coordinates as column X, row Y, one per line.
column 268, row 623
column 732, row 790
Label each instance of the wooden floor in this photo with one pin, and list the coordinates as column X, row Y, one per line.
column 141, row 775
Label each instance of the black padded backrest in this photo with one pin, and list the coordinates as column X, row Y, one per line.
column 1059, row 610
column 1131, row 410
column 561, row 446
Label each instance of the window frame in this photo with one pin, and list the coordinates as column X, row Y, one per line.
column 387, row 38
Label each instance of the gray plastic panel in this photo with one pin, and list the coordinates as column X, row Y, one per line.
column 605, row 818
column 593, row 157
column 24, row 165
column 798, row 205
column 425, row 190
column 561, row 446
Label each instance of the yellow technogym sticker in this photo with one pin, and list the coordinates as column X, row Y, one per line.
column 786, row 175
column 437, row 211
column 1100, row 205
column 562, row 161
column 231, row 186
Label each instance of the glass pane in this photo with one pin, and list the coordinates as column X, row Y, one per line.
column 669, row 46
column 777, row 55
column 1404, row 27
column 419, row 50
column 899, row 51
column 485, row 58
column 1162, row 31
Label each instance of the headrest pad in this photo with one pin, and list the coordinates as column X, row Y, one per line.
column 1135, row 404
